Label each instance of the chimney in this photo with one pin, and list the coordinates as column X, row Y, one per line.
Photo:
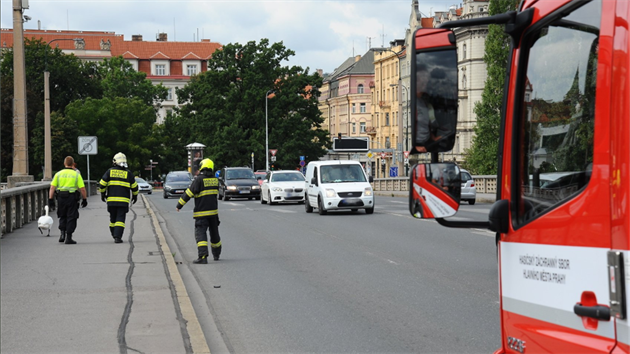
column 357, row 58
column 320, row 72
column 136, row 38
column 162, row 37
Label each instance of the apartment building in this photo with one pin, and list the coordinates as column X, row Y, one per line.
column 345, row 101
column 168, row 63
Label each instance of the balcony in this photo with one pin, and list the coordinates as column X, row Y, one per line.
column 384, row 104
column 371, row 131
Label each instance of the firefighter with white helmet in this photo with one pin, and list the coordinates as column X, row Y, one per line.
column 117, row 186
column 205, row 188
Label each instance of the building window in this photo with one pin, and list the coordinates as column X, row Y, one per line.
column 191, row 70
column 386, row 118
column 464, row 81
column 354, row 108
column 169, row 94
column 464, row 51
column 387, row 143
column 354, row 128
column 160, row 70
column 362, row 127
column 360, row 89
column 362, row 108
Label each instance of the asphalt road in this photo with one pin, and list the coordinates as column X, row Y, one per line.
column 289, row 281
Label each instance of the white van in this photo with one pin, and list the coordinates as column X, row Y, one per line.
column 338, row 185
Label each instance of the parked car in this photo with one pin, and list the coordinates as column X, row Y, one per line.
column 260, row 175
column 338, row 185
column 176, row 183
column 282, row 186
column 144, row 186
column 469, row 191
column 238, row 182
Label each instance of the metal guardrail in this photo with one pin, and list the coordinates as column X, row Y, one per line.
column 23, row 204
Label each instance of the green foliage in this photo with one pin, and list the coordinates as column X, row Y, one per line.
column 121, row 125
column 481, row 158
column 119, row 79
column 70, row 79
column 225, row 108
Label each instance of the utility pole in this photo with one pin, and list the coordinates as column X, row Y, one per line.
column 20, row 128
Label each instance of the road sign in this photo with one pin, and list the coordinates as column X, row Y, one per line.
column 406, row 154
column 393, row 172
column 273, row 159
column 351, row 144
column 383, row 155
column 88, row 145
column 302, row 163
column 273, row 152
column 301, row 158
column 369, row 155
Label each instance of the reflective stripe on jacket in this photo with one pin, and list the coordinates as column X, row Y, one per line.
column 118, row 183
column 204, row 188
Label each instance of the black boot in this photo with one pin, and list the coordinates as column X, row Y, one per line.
column 63, row 236
column 201, row 260
column 69, row 240
column 117, row 239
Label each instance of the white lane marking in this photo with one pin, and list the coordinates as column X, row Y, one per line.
column 283, row 211
column 381, row 258
column 397, row 202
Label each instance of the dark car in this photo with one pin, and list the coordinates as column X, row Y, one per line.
column 176, row 182
column 238, row 182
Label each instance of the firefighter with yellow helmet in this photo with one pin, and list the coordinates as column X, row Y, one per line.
column 116, row 186
column 205, row 189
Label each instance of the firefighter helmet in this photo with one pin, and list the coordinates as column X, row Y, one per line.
column 120, row 160
column 206, row 163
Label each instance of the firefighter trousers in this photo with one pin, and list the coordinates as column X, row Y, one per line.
column 202, row 225
column 67, row 212
column 117, row 216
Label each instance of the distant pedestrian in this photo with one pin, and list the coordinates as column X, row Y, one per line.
column 67, row 184
column 116, row 186
column 204, row 188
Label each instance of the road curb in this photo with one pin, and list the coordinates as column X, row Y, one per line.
column 193, row 327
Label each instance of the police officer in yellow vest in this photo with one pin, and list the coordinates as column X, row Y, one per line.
column 116, row 186
column 68, row 183
column 204, row 188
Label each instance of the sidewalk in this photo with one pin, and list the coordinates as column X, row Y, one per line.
column 95, row 296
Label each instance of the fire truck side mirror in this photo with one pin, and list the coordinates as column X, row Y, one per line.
column 435, row 190
column 434, row 90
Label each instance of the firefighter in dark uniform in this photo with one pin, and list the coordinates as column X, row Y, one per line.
column 205, row 188
column 116, row 186
column 67, row 183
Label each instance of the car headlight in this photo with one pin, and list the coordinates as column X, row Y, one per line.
column 167, row 188
column 255, row 187
column 232, row 188
column 330, row 193
column 367, row 192
column 276, row 189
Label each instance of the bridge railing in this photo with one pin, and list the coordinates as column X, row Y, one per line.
column 485, row 184
column 23, row 204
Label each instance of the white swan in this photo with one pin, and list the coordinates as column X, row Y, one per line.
column 45, row 222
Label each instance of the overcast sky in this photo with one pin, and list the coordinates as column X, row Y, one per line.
column 322, row 33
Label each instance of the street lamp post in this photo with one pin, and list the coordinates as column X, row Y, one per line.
column 47, row 137
column 267, row 129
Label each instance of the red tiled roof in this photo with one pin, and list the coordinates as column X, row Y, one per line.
column 129, row 49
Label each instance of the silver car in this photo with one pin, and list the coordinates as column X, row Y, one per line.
column 144, row 186
column 469, row 191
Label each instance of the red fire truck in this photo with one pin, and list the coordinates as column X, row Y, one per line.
column 562, row 214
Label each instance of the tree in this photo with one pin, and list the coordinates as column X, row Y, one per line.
column 481, row 158
column 224, row 107
column 70, row 79
column 119, row 79
column 121, row 125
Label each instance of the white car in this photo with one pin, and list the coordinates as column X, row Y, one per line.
column 282, row 186
column 469, row 191
column 144, row 186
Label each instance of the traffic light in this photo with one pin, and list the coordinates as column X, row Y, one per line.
column 272, row 167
